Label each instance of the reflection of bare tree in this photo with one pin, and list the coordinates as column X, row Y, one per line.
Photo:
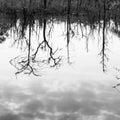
column 20, row 29
column 68, row 36
column 24, row 63
column 116, row 86
column 104, row 42
column 45, row 45
column 68, row 29
column 45, row 4
column 29, row 64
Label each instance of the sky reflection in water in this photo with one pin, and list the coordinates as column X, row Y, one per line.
column 80, row 91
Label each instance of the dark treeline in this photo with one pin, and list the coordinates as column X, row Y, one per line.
column 58, row 6
column 90, row 11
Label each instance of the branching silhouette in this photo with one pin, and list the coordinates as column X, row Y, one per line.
column 70, row 32
column 116, row 86
column 29, row 64
column 25, row 63
column 23, row 22
column 68, row 35
column 103, row 54
column 45, row 4
column 44, row 45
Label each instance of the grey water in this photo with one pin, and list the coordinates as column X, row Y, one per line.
column 55, row 68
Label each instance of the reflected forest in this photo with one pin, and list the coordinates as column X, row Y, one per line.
column 59, row 59
column 30, row 24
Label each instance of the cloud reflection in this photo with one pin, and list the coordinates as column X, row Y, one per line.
column 92, row 101
column 10, row 117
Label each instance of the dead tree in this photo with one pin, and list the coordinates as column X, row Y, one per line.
column 45, row 4
column 45, row 45
column 104, row 41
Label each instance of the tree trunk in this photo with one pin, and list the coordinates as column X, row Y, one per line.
column 69, row 6
column 104, row 41
column 45, row 4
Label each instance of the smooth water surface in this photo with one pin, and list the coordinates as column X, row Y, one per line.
column 79, row 89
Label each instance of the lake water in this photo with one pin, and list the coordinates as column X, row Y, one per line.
column 80, row 87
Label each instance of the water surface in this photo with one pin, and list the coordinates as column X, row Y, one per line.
column 78, row 87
